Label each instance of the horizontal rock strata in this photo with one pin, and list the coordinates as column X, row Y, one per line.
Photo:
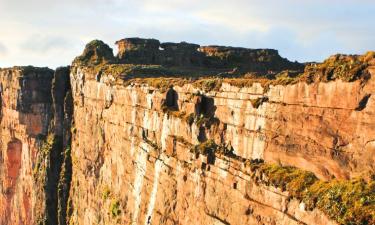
column 119, row 140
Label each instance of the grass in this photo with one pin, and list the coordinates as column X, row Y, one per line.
column 345, row 201
column 348, row 202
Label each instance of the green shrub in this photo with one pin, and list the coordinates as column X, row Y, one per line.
column 345, row 201
column 114, row 208
column 205, row 148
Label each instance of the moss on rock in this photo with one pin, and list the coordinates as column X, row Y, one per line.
column 96, row 52
column 345, row 201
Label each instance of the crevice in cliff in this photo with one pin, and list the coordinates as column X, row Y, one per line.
column 53, row 169
column 363, row 103
column 64, row 211
column 217, row 218
column 46, row 176
column 268, row 206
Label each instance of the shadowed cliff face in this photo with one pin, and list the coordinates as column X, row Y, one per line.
column 32, row 108
column 209, row 135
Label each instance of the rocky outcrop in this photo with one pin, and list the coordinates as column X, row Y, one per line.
column 151, row 51
column 209, row 135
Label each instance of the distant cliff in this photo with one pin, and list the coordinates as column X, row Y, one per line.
column 177, row 133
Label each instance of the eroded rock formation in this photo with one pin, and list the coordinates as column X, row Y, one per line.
column 203, row 137
column 151, row 51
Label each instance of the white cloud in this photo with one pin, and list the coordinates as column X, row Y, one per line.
column 43, row 44
column 51, row 32
column 3, row 49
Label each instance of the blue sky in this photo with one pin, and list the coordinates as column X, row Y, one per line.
column 51, row 33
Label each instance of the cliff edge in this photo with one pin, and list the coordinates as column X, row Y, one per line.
column 177, row 133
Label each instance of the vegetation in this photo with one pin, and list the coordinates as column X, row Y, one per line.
column 64, row 186
column 106, row 193
column 114, row 208
column 345, row 201
column 345, row 67
column 209, row 147
column 205, row 148
column 258, row 101
column 209, row 84
column 46, row 174
column 99, row 58
column 207, row 121
column 96, row 53
column 47, row 145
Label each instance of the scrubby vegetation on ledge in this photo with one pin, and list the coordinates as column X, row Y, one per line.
column 345, row 201
column 98, row 58
column 344, row 67
column 162, row 78
column 349, row 202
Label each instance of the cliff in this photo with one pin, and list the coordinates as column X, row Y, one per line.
column 176, row 133
column 34, row 123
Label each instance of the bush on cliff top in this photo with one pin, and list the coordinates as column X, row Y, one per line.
column 96, row 52
column 344, row 67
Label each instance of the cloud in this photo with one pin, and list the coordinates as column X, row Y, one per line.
column 44, row 32
column 3, row 49
column 43, row 44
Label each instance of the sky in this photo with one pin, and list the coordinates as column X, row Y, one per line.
column 51, row 33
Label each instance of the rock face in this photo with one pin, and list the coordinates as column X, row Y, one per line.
column 145, row 151
column 82, row 145
column 32, row 106
column 151, row 51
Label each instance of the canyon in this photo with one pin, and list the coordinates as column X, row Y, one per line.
column 177, row 133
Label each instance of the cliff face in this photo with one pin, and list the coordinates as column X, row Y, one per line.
column 29, row 168
column 160, row 144
column 323, row 128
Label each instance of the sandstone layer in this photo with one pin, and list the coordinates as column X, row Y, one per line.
column 108, row 142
